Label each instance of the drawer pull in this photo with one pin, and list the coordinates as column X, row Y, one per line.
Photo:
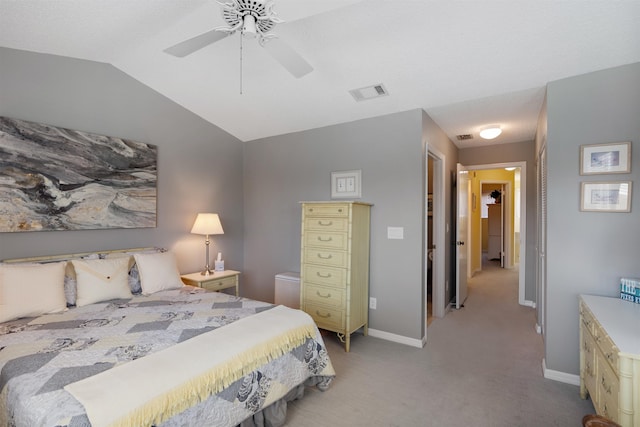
column 325, row 257
column 320, row 239
column 609, row 357
column 328, row 275
column 325, row 224
column 604, row 385
column 588, row 369
column 323, row 296
column 325, row 316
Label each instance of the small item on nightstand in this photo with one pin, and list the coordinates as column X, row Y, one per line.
column 219, row 263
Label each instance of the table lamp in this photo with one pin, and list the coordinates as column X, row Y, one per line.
column 207, row 224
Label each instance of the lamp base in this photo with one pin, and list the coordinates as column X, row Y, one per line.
column 207, row 272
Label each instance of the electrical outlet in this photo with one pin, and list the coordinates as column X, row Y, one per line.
column 373, row 303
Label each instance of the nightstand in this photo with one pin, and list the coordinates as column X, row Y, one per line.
column 215, row 282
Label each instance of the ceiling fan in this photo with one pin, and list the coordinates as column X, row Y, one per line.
column 252, row 18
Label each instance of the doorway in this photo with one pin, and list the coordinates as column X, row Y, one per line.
column 512, row 241
column 434, row 236
column 492, row 217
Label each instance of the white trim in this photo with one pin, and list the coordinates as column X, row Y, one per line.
column 562, row 377
column 400, row 339
column 529, row 303
column 538, row 329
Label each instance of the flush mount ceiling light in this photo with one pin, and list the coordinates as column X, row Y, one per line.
column 490, row 132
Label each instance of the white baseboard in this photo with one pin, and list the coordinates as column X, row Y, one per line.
column 562, row 377
column 528, row 303
column 538, row 329
column 397, row 338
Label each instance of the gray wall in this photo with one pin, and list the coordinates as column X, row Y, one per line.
column 587, row 252
column 520, row 152
column 200, row 168
column 199, row 165
column 283, row 170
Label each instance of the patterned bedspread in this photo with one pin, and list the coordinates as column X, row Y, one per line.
column 38, row 357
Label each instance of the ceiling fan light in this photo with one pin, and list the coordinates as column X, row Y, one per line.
column 249, row 25
column 490, row 132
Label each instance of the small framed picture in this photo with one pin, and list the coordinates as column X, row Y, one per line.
column 346, row 184
column 605, row 158
column 606, row 197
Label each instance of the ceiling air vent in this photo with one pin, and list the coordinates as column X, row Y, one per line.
column 464, row 137
column 369, row 92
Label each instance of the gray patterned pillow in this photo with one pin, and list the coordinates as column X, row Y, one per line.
column 134, row 280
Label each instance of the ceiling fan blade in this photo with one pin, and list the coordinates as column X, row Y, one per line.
column 195, row 43
column 288, row 58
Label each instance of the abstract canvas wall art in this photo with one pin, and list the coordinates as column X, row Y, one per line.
column 53, row 178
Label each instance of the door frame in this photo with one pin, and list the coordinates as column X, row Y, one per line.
column 439, row 224
column 541, row 269
column 523, row 222
column 507, row 226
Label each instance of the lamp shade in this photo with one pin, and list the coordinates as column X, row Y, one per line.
column 207, row 223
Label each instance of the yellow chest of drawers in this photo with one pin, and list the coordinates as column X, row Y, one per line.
column 610, row 357
column 334, row 270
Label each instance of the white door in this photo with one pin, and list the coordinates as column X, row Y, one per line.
column 462, row 214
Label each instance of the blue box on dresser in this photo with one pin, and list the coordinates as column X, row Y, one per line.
column 630, row 289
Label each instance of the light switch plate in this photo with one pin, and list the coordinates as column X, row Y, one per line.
column 395, row 232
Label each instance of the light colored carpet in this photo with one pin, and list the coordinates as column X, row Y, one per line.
column 482, row 366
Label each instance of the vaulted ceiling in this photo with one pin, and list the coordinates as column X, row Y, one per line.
column 466, row 63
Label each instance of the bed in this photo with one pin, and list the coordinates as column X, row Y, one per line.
column 152, row 353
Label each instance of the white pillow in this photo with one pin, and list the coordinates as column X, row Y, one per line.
column 158, row 272
column 70, row 283
column 29, row 290
column 134, row 276
column 101, row 280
